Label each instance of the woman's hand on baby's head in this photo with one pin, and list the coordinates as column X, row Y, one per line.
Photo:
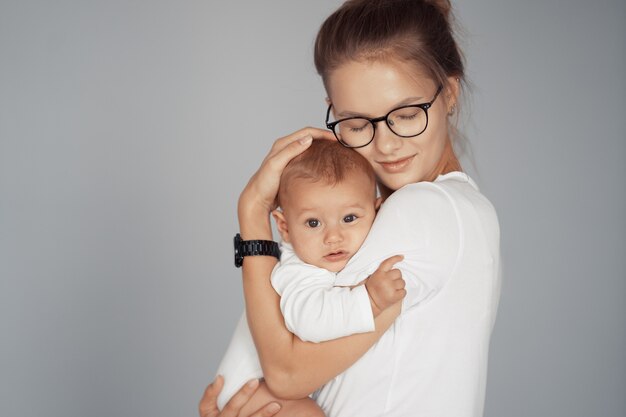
column 385, row 286
column 262, row 188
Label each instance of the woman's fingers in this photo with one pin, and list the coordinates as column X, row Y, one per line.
column 263, row 186
column 208, row 403
column 314, row 132
column 241, row 397
column 267, row 411
column 303, row 136
column 281, row 157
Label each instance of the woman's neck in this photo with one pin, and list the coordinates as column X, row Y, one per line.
column 447, row 163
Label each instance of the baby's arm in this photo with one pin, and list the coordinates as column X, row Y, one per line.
column 315, row 310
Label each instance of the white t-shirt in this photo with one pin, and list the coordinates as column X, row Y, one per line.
column 433, row 360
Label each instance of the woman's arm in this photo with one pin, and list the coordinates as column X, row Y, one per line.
column 292, row 368
column 420, row 221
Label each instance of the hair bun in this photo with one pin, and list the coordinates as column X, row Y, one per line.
column 444, row 6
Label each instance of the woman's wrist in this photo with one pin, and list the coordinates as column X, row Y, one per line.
column 254, row 220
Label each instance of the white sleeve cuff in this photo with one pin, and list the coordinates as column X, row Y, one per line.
column 362, row 309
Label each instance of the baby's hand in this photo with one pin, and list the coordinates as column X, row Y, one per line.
column 385, row 286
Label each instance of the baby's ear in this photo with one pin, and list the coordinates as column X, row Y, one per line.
column 378, row 202
column 281, row 224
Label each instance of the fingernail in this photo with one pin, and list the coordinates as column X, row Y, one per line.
column 273, row 407
column 306, row 140
column 253, row 383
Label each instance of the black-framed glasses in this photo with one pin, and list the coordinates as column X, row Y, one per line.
column 405, row 121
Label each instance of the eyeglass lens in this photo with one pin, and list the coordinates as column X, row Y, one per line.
column 405, row 121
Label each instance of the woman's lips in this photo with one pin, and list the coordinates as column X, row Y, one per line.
column 336, row 256
column 397, row 165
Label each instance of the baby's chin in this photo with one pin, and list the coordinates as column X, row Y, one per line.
column 332, row 262
column 334, row 266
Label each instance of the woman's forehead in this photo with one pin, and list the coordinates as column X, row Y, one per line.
column 373, row 87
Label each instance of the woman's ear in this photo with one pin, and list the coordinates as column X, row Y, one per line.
column 453, row 90
column 281, row 224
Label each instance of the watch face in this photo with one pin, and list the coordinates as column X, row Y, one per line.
column 238, row 256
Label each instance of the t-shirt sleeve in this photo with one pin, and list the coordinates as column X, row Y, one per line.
column 315, row 310
column 419, row 221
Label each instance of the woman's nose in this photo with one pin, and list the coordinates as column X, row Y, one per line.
column 385, row 141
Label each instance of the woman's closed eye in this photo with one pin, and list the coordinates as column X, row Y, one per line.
column 407, row 116
column 408, row 113
column 358, row 129
column 355, row 125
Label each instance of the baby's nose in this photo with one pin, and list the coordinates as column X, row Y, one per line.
column 333, row 236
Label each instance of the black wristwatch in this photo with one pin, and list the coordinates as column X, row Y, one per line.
column 254, row 248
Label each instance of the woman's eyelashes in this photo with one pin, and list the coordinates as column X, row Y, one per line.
column 407, row 116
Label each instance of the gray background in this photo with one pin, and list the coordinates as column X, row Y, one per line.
column 128, row 128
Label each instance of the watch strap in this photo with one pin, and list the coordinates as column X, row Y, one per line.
column 254, row 248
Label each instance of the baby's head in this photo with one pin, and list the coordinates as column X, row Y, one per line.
column 327, row 198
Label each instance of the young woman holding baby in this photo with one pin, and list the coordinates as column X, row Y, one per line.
column 394, row 74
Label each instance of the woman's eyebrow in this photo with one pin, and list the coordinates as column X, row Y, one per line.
column 405, row 102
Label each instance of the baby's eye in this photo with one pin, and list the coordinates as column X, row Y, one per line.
column 350, row 218
column 313, row 223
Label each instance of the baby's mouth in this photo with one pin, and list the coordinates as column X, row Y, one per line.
column 336, row 256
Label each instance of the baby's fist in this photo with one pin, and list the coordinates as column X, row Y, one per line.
column 385, row 286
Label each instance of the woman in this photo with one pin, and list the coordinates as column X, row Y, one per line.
column 393, row 74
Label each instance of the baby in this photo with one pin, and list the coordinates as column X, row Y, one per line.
column 327, row 199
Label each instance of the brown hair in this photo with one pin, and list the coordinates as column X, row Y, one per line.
column 327, row 161
column 418, row 31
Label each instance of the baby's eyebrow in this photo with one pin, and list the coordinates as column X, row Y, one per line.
column 355, row 206
column 306, row 209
